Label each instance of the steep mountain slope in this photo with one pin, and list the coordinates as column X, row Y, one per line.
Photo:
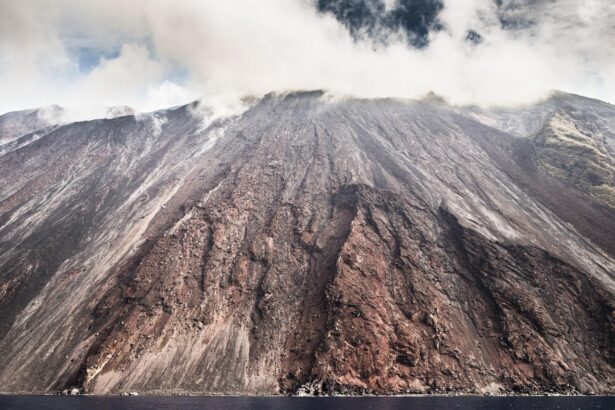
column 573, row 139
column 308, row 245
column 17, row 123
column 19, row 128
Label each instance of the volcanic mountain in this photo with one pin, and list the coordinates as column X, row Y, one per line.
column 312, row 245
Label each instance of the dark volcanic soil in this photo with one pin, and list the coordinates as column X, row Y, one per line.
column 308, row 245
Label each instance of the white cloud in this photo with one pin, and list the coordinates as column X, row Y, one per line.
column 232, row 48
column 167, row 94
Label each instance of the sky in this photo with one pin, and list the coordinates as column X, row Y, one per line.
column 153, row 54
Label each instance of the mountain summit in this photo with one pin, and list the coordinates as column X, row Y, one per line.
column 312, row 245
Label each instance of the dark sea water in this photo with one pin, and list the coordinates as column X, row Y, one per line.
column 296, row 403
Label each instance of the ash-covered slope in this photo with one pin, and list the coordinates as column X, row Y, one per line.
column 570, row 137
column 19, row 128
column 306, row 245
column 17, row 123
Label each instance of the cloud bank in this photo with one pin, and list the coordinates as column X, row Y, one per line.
column 152, row 54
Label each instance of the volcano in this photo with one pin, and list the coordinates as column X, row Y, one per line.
column 312, row 245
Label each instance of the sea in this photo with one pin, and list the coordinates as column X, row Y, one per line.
column 304, row 403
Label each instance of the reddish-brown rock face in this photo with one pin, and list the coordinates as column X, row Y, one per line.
column 303, row 246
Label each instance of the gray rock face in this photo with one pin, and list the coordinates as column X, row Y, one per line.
column 594, row 116
column 307, row 245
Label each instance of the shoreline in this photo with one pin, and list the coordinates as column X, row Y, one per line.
column 239, row 395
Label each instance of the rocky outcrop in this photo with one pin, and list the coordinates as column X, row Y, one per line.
column 308, row 245
column 581, row 158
